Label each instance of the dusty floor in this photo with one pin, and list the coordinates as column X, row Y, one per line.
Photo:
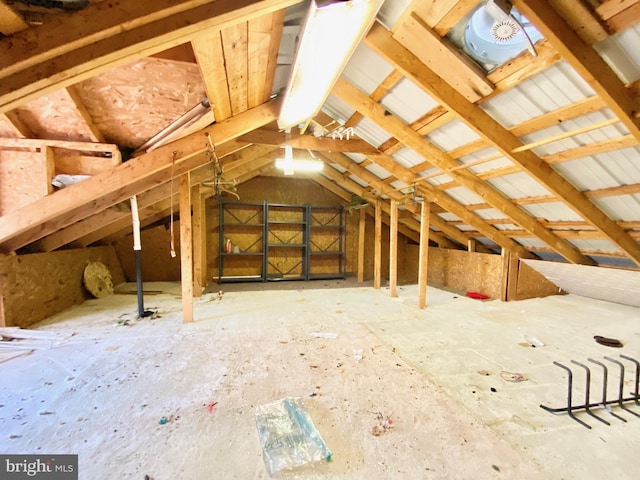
column 436, row 373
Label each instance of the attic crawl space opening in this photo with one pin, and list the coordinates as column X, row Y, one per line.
column 493, row 33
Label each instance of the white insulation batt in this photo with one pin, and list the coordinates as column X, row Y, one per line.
column 612, row 285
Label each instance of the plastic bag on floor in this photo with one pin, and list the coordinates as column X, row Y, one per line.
column 288, row 436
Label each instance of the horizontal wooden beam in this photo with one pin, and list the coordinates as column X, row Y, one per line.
column 308, row 142
column 71, row 204
column 109, row 34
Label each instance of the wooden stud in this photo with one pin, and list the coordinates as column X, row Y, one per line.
column 423, row 255
column 186, row 249
column 235, row 48
column 584, row 59
column 472, row 245
column 130, row 178
column 16, row 124
column 74, row 96
column 393, row 250
column 208, row 51
column 377, row 254
column 361, row 243
column 198, row 244
column 105, row 35
column 308, row 142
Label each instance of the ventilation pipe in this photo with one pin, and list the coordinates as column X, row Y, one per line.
column 137, row 248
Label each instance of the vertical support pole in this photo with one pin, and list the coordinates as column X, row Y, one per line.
column 50, row 167
column 504, row 254
column 361, row 243
column 393, row 250
column 198, row 276
column 471, row 245
column 186, row 248
column 3, row 321
column 377, row 254
column 424, row 253
column 510, row 271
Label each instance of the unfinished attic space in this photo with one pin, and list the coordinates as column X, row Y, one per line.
column 363, row 239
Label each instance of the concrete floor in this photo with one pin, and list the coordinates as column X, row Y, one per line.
column 437, row 373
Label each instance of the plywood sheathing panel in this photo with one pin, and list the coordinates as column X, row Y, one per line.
column 6, row 131
column 55, row 117
column 131, row 104
column 459, row 270
column 531, row 284
column 23, row 179
column 39, row 285
column 157, row 263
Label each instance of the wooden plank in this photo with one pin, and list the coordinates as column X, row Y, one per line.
column 308, row 142
column 488, row 128
column 582, row 19
column 16, row 124
column 356, row 99
column 10, row 21
column 130, row 178
column 235, row 47
column 186, row 249
column 84, row 164
column 361, row 243
column 522, row 67
column 377, row 242
column 430, row 192
column 393, row 250
column 28, row 143
column 448, row 62
column 74, row 96
column 423, row 258
column 453, row 16
column 199, row 214
column 265, row 34
column 106, row 35
column 624, row 19
column 611, row 8
column 208, row 51
column 381, row 90
column 584, row 59
column 595, row 148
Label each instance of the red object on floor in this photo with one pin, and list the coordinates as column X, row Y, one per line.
column 477, row 295
column 210, row 406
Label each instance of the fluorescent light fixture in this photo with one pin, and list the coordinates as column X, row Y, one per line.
column 330, row 35
column 290, row 166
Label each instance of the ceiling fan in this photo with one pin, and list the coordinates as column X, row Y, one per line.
column 497, row 32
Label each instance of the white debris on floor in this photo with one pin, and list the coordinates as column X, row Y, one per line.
column 449, row 392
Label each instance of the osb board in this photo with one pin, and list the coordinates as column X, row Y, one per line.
column 39, row 285
column 6, row 131
column 131, row 104
column 532, row 284
column 156, row 260
column 22, row 179
column 55, row 117
column 459, row 269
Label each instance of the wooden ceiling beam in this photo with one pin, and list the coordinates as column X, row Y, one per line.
column 308, row 142
column 16, row 124
column 71, row 204
column 209, row 55
column 378, row 94
column 430, row 193
column 74, row 96
column 584, row 59
column 356, row 99
column 105, row 35
column 507, row 143
column 265, row 34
